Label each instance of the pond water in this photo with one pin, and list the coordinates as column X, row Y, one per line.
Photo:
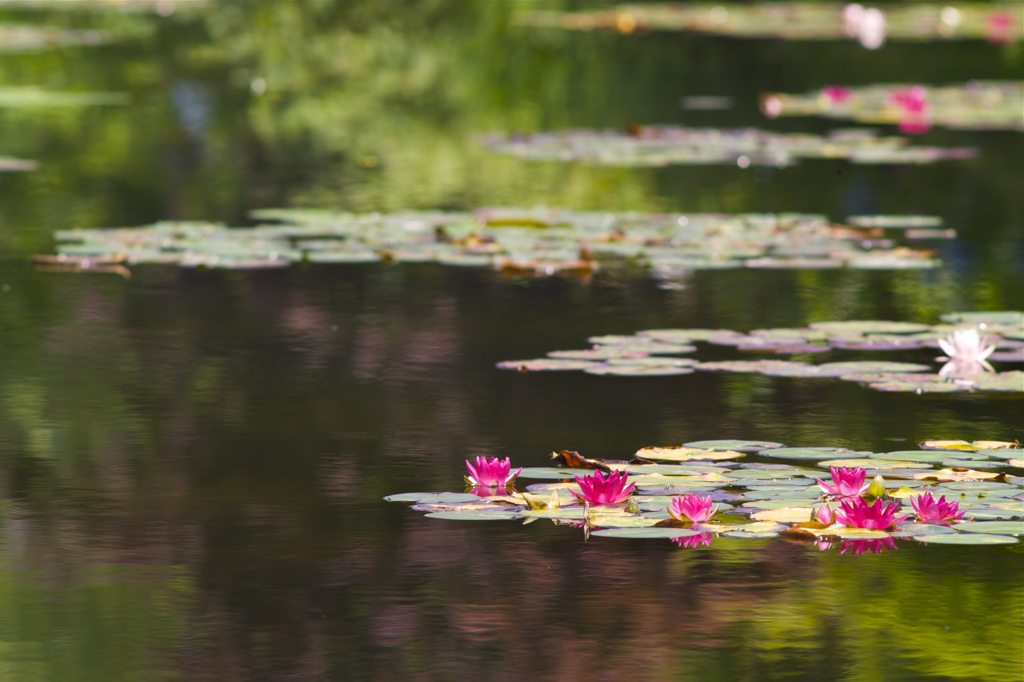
column 192, row 463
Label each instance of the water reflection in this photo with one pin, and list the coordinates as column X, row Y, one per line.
column 192, row 463
column 234, row 433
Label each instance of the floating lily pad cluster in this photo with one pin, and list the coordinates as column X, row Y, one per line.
column 527, row 241
column 976, row 105
column 23, row 97
column 663, row 145
column 8, row 163
column 765, row 490
column 651, row 353
column 802, row 20
column 25, row 38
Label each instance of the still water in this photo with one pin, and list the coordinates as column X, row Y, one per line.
column 192, row 463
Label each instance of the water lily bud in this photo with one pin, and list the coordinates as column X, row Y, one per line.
column 877, row 487
column 555, row 502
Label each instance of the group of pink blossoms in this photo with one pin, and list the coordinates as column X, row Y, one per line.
column 489, row 474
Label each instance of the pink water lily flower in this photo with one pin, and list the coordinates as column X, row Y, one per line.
column 825, row 515
column 600, row 489
column 846, row 482
column 930, row 509
column 694, row 508
column 491, row 472
column 873, row 546
column 694, row 540
column 857, row 513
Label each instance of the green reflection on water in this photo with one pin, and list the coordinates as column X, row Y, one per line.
column 99, row 622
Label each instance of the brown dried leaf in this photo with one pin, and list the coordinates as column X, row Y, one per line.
column 574, row 460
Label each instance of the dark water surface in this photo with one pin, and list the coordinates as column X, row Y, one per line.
column 192, row 463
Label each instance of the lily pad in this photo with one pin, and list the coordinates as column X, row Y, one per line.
column 553, row 473
column 656, row 361
column 603, row 353
column 621, row 521
column 930, row 456
column 806, row 453
column 475, row 516
column 855, row 533
column 1009, row 317
column 545, row 365
column 684, row 335
column 433, row 498
column 966, row 446
column 790, row 21
column 993, row 527
column 630, row 370
column 733, row 445
column 965, row 539
column 684, row 454
column 868, row 462
column 869, row 327
column 646, row 533
column 908, row 529
column 662, row 145
column 785, row 514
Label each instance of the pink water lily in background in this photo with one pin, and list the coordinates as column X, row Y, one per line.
column 491, row 472
column 857, row 513
column 600, row 489
column 914, row 111
column 846, row 482
column 825, row 515
column 694, row 508
column 873, row 546
column 930, row 509
column 694, row 540
column 836, row 93
column 1000, row 28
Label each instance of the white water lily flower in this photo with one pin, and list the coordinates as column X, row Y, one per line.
column 966, row 353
